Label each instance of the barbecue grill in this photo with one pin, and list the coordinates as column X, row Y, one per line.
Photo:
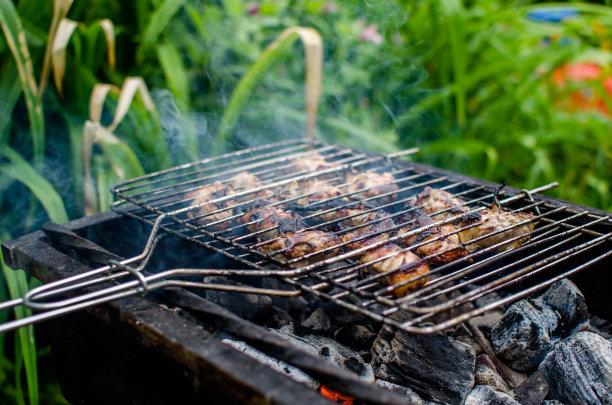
column 565, row 240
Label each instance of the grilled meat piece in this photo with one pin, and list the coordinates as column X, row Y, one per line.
column 373, row 184
column 273, row 220
column 432, row 201
column 492, row 220
column 310, row 162
column 210, row 212
column 244, row 181
column 370, row 234
column 311, row 190
column 293, row 245
column 444, row 249
column 405, row 264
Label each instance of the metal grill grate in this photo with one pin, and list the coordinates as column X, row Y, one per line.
column 564, row 240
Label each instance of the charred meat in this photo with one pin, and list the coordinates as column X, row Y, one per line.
column 272, row 220
column 374, row 185
column 445, row 246
column 491, row 221
column 432, row 201
column 207, row 210
column 310, row 162
column 310, row 190
column 402, row 266
column 292, row 245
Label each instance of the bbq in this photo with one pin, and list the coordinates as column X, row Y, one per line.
column 417, row 253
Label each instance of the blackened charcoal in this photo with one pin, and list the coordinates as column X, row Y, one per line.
column 318, row 322
column 523, row 336
column 565, row 298
column 485, row 395
column 356, row 337
column 529, row 328
column 437, row 368
column 533, row 390
column 329, row 350
column 579, row 369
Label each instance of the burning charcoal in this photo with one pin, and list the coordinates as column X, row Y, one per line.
column 411, row 396
column 529, row 328
column 318, row 322
column 523, row 337
column 329, row 350
column 564, row 297
column 486, row 374
column 437, row 368
column 278, row 365
column 485, row 395
column 533, row 390
column 579, row 369
column 356, row 337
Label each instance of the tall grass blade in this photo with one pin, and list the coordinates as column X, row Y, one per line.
column 90, row 198
column 10, row 90
column 97, row 99
column 65, row 30
column 313, row 46
column 22, row 171
column 175, row 73
column 16, row 40
column 60, row 10
column 452, row 13
column 158, row 21
column 131, row 86
column 26, row 345
column 109, row 33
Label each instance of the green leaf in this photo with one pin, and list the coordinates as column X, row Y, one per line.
column 159, row 20
column 16, row 39
column 46, row 194
column 174, row 72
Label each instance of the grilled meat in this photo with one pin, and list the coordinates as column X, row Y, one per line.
column 404, row 264
column 273, row 220
column 370, row 234
column 445, row 246
column 493, row 220
column 244, row 181
column 210, row 212
column 293, row 245
column 432, row 201
column 310, row 162
column 373, row 184
column 311, row 190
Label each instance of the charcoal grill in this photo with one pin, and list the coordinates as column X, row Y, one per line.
column 566, row 239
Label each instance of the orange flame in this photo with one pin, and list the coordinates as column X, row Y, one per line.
column 336, row 396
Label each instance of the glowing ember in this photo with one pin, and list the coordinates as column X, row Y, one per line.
column 335, row 396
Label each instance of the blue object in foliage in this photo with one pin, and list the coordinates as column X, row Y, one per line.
column 552, row 14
